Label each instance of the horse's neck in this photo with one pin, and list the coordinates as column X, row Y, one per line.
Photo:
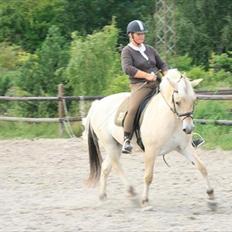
column 163, row 100
column 167, row 94
column 161, row 103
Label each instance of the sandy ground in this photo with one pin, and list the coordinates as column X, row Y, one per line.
column 42, row 189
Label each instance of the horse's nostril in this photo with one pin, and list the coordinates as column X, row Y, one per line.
column 184, row 129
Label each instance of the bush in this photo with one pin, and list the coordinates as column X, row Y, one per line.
column 221, row 62
column 118, row 84
column 182, row 63
column 94, row 61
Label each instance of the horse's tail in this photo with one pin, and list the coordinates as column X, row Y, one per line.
column 95, row 158
column 86, row 120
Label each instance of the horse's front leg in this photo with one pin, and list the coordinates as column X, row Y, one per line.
column 149, row 160
column 190, row 154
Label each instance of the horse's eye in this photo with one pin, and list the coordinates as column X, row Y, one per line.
column 177, row 103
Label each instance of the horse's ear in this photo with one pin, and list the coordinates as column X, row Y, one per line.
column 196, row 82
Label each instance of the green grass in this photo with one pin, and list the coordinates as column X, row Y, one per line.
column 13, row 130
column 215, row 136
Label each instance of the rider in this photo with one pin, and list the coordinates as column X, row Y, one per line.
column 141, row 63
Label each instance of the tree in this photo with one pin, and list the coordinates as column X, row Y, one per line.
column 203, row 26
column 86, row 16
column 26, row 22
column 94, row 61
column 10, row 60
column 44, row 70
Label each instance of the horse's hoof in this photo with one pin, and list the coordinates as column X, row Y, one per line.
column 131, row 191
column 212, row 204
column 210, row 193
column 147, row 208
column 103, row 197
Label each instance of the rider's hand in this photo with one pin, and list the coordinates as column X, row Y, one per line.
column 150, row 77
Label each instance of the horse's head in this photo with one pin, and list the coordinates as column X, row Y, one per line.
column 180, row 97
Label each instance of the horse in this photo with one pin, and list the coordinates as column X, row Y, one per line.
column 166, row 126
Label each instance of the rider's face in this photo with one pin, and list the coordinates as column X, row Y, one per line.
column 139, row 37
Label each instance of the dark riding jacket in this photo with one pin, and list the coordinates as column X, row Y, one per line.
column 132, row 61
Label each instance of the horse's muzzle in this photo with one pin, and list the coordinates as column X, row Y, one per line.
column 187, row 131
column 188, row 127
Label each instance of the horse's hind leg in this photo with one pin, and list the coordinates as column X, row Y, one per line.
column 105, row 171
column 113, row 160
column 191, row 155
column 118, row 167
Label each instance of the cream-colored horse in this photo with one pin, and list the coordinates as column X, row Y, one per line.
column 167, row 125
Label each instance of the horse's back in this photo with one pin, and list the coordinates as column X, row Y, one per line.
column 105, row 109
column 111, row 102
column 116, row 98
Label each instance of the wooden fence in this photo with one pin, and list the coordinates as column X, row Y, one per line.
column 61, row 99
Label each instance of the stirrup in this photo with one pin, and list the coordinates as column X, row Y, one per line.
column 126, row 147
column 197, row 140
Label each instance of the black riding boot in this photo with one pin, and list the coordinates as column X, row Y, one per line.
column 126, row 147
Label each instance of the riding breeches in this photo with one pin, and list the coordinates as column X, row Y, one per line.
column 138, row 92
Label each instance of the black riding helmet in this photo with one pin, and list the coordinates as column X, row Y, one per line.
column 135, row 26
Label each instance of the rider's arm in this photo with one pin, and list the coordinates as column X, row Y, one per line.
column 131, row 70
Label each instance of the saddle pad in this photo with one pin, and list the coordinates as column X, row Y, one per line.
column 121, row 112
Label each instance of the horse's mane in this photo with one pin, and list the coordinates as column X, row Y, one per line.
column 183, row 87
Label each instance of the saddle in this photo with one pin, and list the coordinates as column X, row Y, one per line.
column 122, row 112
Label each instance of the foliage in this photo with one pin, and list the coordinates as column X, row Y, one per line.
column 47, row 42
column 119, row 84
column 94, row 61
column 202, row 27
column 39, row 75
column 221, row 62
column 10, row 59
column 44, row 71
column 26, row 22
column 182, row 63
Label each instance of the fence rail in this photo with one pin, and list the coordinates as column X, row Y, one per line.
column 90, row 98
column 215, row 92
column 216, row 122
column 225, row 94
column 68, row 98
column 22, row 119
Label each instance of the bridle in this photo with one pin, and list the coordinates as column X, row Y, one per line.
column 173, row 109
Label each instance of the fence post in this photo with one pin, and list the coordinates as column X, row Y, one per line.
column 61, row 107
